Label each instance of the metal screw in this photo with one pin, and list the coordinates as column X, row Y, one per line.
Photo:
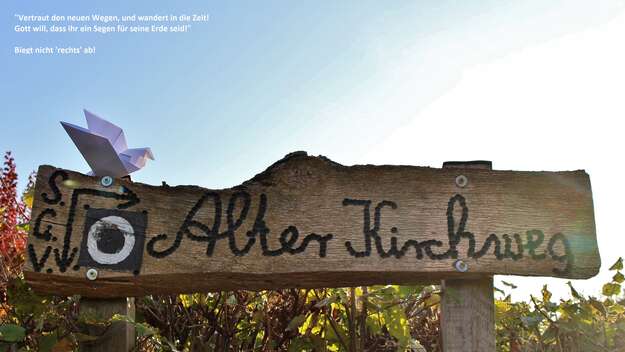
column 461, row 181
column 461, row 266
column 92, row 274
column 106, row 181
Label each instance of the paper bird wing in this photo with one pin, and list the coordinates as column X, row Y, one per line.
column 135, row 159
column 131, row 167
column 97, row 151
column 106, row 129
column 135, row 154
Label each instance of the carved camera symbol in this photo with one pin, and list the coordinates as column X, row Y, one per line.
column 113, row 239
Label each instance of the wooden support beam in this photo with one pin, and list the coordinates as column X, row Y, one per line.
column 468, row 315
column 120, row 336
column 468, row 305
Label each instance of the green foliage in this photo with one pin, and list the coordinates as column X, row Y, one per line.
column 12, row 333
column 578, row 323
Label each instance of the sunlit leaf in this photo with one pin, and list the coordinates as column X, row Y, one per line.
column 432, row 299
column 397, row 324
column 574, row 291
column 186, row 300
column 618, row 265
column 546, row 294
column 611, row 289
column 618, row 277
column 28, row 197
column 306, row 324
column 618, row 309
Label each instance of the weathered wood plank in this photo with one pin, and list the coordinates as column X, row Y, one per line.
column 309, row 222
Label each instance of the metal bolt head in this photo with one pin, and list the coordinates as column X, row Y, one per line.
column 92, row 274
column 462, row 181
column 461, row 266
column 106, row 181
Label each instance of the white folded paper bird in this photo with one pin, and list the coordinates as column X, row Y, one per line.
column 103, row 145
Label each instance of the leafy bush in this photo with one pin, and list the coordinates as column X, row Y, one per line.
column 577, row 323
column 14, row 218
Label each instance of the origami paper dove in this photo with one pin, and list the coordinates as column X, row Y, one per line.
column 103, row 145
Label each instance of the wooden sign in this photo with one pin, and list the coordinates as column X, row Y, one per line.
column 307, row 222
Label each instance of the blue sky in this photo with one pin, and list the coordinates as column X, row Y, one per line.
column 531, row 85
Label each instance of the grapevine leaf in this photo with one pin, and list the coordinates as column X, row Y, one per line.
column 611, row 289
column 12, row 333
column 296, row 322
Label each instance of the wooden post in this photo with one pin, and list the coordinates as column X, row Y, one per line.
column 120, row 336
column 468, row 306
column 468, row 315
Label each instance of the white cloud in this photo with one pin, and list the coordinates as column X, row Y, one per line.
column 555, row 105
